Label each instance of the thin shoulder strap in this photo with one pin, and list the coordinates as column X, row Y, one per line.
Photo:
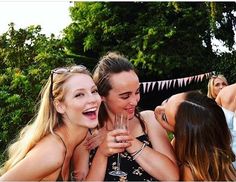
column 61, row 140
column 60, row 177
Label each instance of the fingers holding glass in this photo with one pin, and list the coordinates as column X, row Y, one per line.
column 121, row 123
column 115, row 141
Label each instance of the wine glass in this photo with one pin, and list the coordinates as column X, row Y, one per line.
column 120, row 123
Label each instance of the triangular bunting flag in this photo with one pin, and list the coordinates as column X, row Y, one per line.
column 148, row 86
column 162, row 84
column 159, row 85
column 169, row 83
column 180, row 82
column 186, row 80
column 201, row 77
column 153, row 85
column 144, row 87
column 174, row 81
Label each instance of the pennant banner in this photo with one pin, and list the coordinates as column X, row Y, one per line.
column 149, row 86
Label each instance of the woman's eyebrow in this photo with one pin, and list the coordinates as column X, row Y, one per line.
column 125, row 93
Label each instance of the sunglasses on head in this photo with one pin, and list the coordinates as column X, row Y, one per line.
column 63, row 70
column 214, row 76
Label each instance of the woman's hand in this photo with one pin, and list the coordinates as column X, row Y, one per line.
column 95, row 139
column 115, row 141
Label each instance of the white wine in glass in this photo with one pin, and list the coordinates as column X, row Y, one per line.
column 121, row 122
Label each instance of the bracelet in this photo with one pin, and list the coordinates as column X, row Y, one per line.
column 138, row 152
column 135, row 152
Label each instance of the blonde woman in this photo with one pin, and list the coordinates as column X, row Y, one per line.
column 215, row 84
column 68, row 107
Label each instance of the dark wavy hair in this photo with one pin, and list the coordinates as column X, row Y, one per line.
column 111, row 63
column 203, row 139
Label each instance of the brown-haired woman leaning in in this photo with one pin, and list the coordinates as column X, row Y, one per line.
column 202, row 138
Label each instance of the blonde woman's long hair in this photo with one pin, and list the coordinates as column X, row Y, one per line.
column 44, row 122
column 210, row 92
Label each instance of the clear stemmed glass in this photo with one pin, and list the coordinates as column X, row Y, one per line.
column 120, row 123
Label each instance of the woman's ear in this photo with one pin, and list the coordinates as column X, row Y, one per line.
column 59, row 106
column 103, row 98
column 161, row 118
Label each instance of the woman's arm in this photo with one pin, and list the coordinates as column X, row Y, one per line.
column 44, row 159
column 160, row 161
column 80, row 161
column 218, row 99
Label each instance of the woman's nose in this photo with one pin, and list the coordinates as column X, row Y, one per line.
column 221, row 86
column 92, row 98
column 134, row 101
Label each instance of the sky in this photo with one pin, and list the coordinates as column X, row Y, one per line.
column 52, row 15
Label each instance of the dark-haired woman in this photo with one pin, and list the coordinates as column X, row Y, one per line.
column 146, row 153
column 202, row 138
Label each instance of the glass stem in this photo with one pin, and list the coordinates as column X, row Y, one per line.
column 118, row 161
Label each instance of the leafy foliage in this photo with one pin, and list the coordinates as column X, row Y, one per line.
column 164, row 39
column 227, row 65
column 225, row 21
column 26, row 60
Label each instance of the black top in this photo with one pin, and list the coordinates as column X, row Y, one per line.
column 131, row 167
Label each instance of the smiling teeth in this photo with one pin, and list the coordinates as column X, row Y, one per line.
column 91, row 110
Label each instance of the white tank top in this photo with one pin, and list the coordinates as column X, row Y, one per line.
column 231, row 121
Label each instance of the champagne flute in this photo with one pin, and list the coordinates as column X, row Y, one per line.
column 120, row 123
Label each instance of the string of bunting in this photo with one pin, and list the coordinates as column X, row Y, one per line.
column 179, row 82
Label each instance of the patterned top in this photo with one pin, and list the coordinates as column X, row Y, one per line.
column 131, row 167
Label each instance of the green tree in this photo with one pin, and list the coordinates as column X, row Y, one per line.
column 167, row 39
column 227, row 65
column 27, row 56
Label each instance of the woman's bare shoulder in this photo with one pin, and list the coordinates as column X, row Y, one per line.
column 150, row 119
column 147, row 114
column 53, row 150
